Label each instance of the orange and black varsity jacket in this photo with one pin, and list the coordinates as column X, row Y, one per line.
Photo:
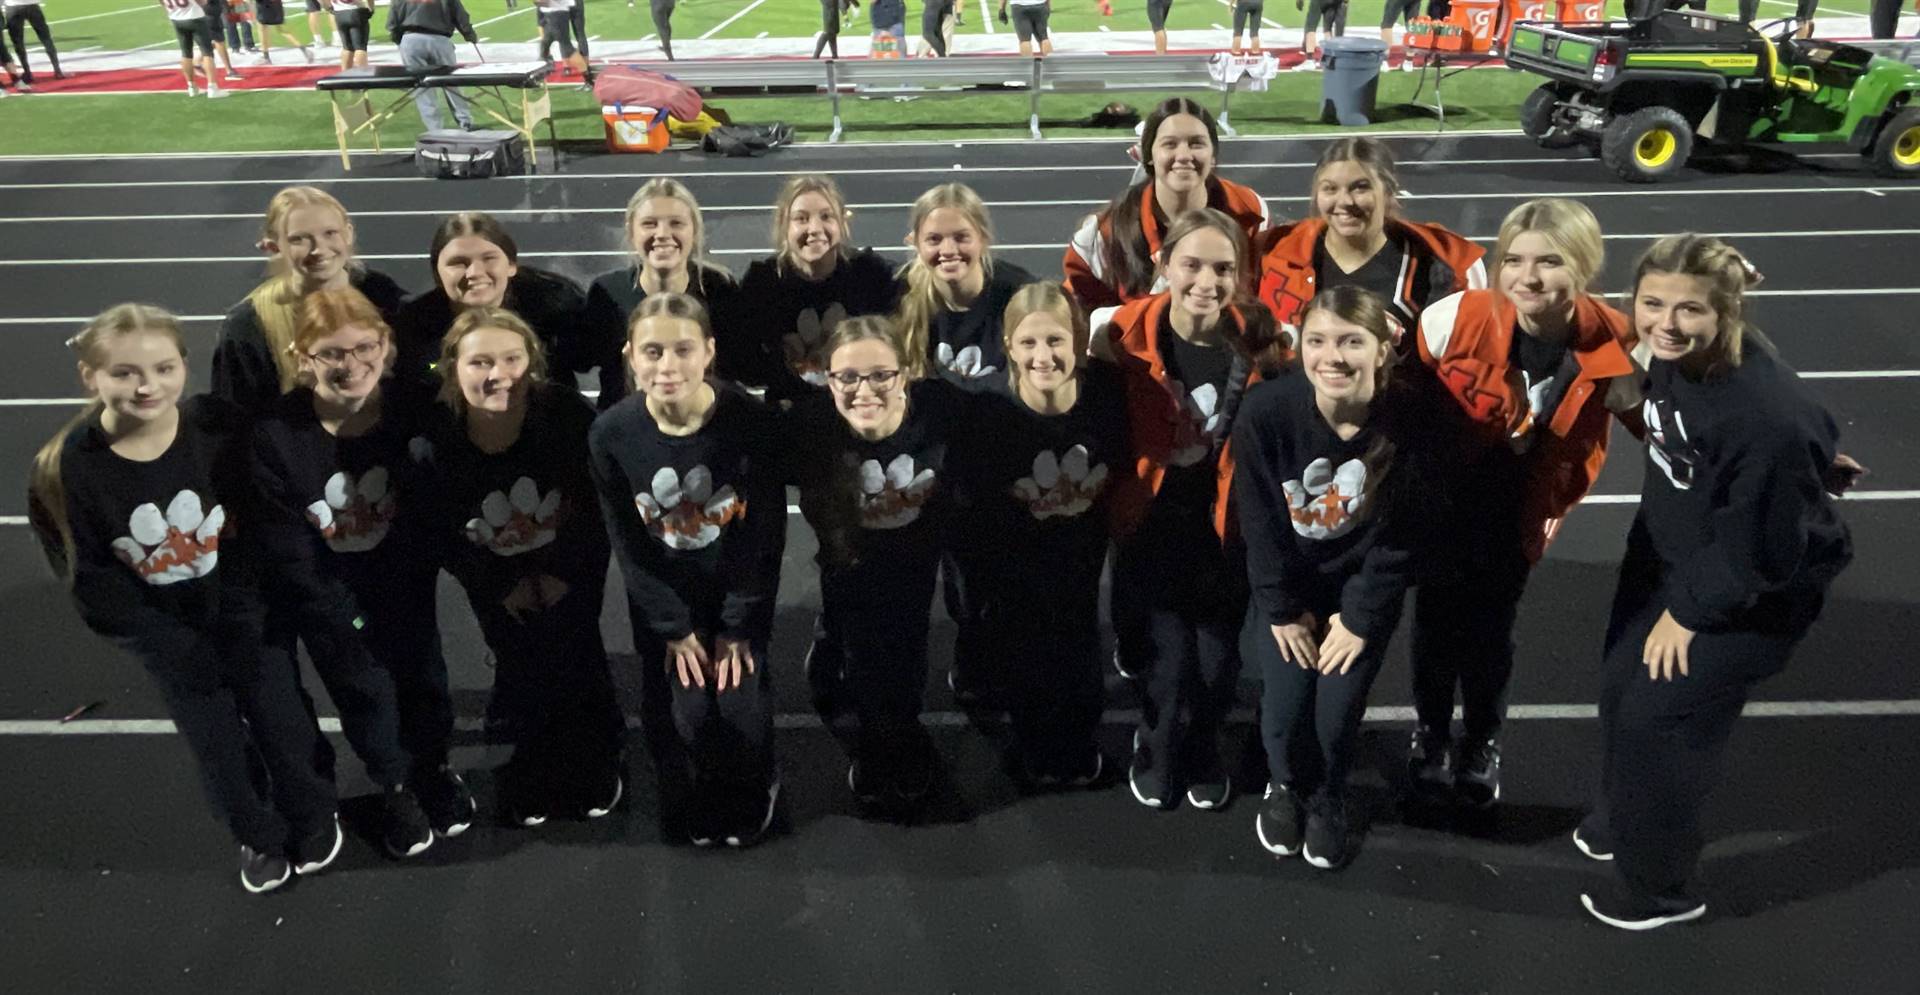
column 1466, row 339
column 1436, row 258
column 1088, row 280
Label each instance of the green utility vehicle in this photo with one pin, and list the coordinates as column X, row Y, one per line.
column 1646, row 92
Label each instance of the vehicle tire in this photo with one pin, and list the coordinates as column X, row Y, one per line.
column 1649, row 144
column 1536, row 119
column 1896, row 150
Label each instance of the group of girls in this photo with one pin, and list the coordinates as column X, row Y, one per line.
column 1274, row 430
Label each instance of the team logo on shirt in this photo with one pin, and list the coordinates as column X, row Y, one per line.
column 802, row 345
column 519, row 521
column 965, row 364
column 1199, row 418
column 182, row 544
column 686, row 512
column 420, row 448
column 1324, row 503
column 1063, row 487
column 354, row 515
column 1667, row 442
column 891, row 497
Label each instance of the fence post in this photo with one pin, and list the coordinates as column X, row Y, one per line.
column 833, row 91
column 1033, row 113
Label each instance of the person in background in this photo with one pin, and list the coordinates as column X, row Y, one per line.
column 1029, row 24
column 1330, row 13
column 239, row 25
column 194, row 29
column 272, row 15
column 556, row 27
column 10, row 76
column 353, row 23
column 830, row 17
column 320, row 26
column 1157, row 11
column 217, row 19
column 19, row 15
column 1247, row 15
column 662, row 11
column 889, row 17
column 423, row 29
column 936, row 28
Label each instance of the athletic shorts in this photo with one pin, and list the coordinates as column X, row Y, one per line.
column 198, row 31
column 1397, row 9
column 1246, row 16
column 314, row 7
column 1157, row 11
column 1333, row 12
column 1030, row 21
column 1804, row 9
column 352, row 27
column 270, row 12
column 216, row 14
column 558, row 24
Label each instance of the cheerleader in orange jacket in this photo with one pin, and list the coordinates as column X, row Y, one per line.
column 1111, row 258
column 1355, row 236
column 1186, row 358
column 1538, row 368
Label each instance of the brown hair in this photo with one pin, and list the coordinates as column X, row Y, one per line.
column 1362, row 307
column 1568, row 225
column 794, row 189
column 875, row 328
column 46, row 490
column 1727, row 274
column 478, row 224
column 1126, row 255
column 1373, row 156
column 1256, row 336
column 1050, row 299
column 922, row 299
column 472, row 320
column 668, row 305
column 276, row 301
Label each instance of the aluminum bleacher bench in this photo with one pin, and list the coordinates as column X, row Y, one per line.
column 956, row 76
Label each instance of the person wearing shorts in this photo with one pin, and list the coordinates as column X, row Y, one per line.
column 318, row 24
column 1030, row 24
column 1246, row 19
column 272, row 15
column 1397, row 10
column 556, row 27
column 194, row 29
column 1157, row 11
column 217, row 21
column 1334, row 13
column 351, row 23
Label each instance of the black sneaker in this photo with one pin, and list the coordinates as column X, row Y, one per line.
column 967, row 692
column 758, row 818
column 313, row 853
column 1326, row 845
column 1148, row 781
column 867, row 788
column 1209, row 787
column 1476, row 773
column 1593, row 841
column 1430, row 765
column 408, row 833
column 1278, row 822
column 263, row 872
column 528, row 808
column 609, row 796
column 703, row 817
column 913, row 780
column 444, row 797
column 1083, row 771
column 1120, row 666
column 1615, row 907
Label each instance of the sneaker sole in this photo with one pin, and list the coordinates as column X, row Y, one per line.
column 619, row 792
column 414, row 850
column 1209, row 804
column 1321, row 862
column 1590, row 852
column 766, row 819
column 269, row 886
column 1134, row 787
column 315, row 867
column 1260, row 832
column 1642, row 925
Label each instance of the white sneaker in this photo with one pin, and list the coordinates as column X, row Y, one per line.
column 192, row 91
column 215, row 93
column 256, row 59
column 1309, row 64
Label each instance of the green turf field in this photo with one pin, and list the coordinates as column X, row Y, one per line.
column 120, row 25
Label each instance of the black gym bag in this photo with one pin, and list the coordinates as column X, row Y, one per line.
column 470, row 155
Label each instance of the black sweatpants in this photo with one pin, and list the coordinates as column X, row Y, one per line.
column 362, row 688
column 229, row 725
column 18, row 19
column 728, row 737
column 1192, row 595
column 868, row 667
column 403, row 633
column 1664, row 740
column 1045, row 633
column 663, row 25
column 1883, row 18
column 962, row 575
column 1465, row 604
column 1310, row 721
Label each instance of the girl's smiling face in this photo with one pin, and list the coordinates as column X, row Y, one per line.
column 1350, row 198
column 347, row 364
column 813, row 228
column 140, row 377
column 1341, row 359
column 316, row 244
column 1202, row 272
column 492, row 366
column 874, row 404
column 1674, row 314
column 949, row 245
column 1041, row 352
column 474, row 272
column 1535, row 276
column 662, row 233
column 1182, row 153
column 669, row 357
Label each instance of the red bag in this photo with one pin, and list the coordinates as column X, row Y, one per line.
column 627, row 85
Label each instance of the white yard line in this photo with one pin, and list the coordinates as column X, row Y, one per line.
column 986, row 18
column 110, row 13
column 477, row 25
column 744, row 11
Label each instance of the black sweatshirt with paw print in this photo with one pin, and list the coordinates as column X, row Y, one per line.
column 699, row 522
column 158, row 566
column 966, row 346
column 786, row 317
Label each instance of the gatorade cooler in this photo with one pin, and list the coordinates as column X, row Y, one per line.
column 634, row 129
column 1517, row 11
column 1479, row 22
column 885, row 45
column 1580, row 11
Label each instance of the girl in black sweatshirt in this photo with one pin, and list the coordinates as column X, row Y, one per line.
column 132, row 501
column 352, row 565
column 515, row 509
column 691, row 489
column 871, row 458
column 1328, row 560
column 812, row 282
column 476, row 264
column 308, row 238
column 1727, row 566
column 668, row 241
column 1038, row 468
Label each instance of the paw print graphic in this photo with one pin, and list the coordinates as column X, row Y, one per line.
column 180, row 545
column 1667, row 443
column 802, row 345
column 965, row 364
column 519, row 521
column 1199, row 417
column 1061, row 488
column 686, row 512
column 354, row 515
column 1325, row 502
column 420, row 448
column 892, row 497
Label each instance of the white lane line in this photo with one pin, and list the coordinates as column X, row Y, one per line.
column 13, row 519
column 986, row 18
column 1851, row 496
column 1859, row 374
column 744, row 11
column 1871, row 708
column 110, row 13
column 477, row 25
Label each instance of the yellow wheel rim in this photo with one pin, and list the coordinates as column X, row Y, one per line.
column 1655, row 148
column 1906, row 148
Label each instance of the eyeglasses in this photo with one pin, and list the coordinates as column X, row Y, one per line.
column 849, row 382
column 334, row 356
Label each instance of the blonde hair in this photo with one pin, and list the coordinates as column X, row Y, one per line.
column 472, row 320
column 794, row 189
column 1373, row 156
column 670, row 189
column 1724, row 270
column 1568, row 225
column 276, row 301
column 46, row 490
column 1051, row 300
column 923, row 297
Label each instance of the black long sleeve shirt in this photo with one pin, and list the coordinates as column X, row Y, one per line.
column 699, row 522
column 788, row 317
column 611, row 300
column 966, row 346
column 551, row 304
column 244, row 370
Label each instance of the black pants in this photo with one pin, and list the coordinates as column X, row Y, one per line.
column 662, row 25
column 564, row 719
column 962, row 575
column 1193, row 595
column 231, row 724
column 728, row 737
column 1884, row 18
column 1663, row 740
column 1464, row 609
column 18, row 18
column 829, row 28
column 868, row 668
column 1045, row 630
column 403, row 634
column 577, row 17
column 1310, row 721
column 362, row 688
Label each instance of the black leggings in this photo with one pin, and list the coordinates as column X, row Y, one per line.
column 1465, row 606
column 556, row 28
column 1884, row 18
column 829, row 28
column 662, row 25
column 1192, row 596
column 17, row 20
column 1051, row 658
column 1332, row 12
column 1310, row 721
column 1246, row 15
column 867, row 670
column 403, row 633
column 351, row 25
